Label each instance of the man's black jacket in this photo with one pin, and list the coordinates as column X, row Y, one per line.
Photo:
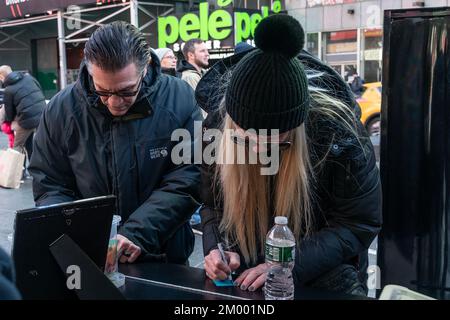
column 82, row 151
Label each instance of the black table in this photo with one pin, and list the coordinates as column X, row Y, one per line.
column 155, row 281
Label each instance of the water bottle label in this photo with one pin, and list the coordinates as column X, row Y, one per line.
column 280, row 254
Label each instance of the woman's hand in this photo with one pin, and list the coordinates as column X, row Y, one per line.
column 253, row 278
column 216, row 269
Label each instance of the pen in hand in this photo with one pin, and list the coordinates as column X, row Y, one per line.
column 224, row 258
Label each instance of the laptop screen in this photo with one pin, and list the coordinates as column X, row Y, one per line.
column 87, row 222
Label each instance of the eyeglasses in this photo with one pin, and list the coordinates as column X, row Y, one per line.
column 282, row 145
column 121, row 94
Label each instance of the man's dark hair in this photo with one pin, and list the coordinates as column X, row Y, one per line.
column 114, row 46
column 189, row 46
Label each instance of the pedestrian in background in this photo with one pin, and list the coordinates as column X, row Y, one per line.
column 168, row 61
column 196, row 59
column 5, row 128
column 357, row 85
column 24, row 103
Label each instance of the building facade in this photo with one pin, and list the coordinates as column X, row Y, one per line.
column 46, row 38
column 347, row 34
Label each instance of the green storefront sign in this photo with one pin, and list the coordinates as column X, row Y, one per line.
column 221, row 24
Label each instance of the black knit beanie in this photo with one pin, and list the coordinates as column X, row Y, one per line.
column 268, row 88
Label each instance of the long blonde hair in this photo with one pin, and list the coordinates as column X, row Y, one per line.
column 248, row 195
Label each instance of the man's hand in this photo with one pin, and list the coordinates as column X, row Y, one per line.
column 216, row 269
column 127, row 250
column 253, row 278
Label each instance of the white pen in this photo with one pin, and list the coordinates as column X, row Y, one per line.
column 224, row 258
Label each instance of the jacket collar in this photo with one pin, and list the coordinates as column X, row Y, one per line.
column 84, row 86
column 185, row 66
column 13, row 78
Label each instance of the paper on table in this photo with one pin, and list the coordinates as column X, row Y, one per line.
column 394, row 292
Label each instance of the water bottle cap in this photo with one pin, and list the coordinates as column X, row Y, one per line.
column 116, row 219
column 281, row 220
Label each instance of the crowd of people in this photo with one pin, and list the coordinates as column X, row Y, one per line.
column 110, row 133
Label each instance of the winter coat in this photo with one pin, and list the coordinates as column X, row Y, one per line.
column 189, row 74
column 23, row 99
column 347, row 201
column 2, row 93
column 82, row 151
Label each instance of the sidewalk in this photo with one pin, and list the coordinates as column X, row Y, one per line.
column 10, row 201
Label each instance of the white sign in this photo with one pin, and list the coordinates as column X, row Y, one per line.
column 315, row 3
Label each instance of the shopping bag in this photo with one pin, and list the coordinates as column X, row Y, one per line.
column 11, row 168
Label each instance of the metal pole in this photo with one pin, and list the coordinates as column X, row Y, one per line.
column 62, row 52
column 358, row 51
column 27, row 21
column 362, row 58
column 320, row 44
column 134, row 13
column 97, row 22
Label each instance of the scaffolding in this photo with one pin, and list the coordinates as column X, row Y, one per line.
column 75, row 17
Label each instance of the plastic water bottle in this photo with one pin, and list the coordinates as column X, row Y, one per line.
column 280, row 255
column 112, row 259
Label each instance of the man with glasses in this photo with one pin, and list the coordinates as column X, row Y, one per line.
column 110, row 133
column 168, row 61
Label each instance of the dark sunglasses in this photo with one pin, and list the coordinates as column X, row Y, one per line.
column 121, row 94
column 283, row 145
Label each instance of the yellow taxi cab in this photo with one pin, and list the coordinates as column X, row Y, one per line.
column 370, row 103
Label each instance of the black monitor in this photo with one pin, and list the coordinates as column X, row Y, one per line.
column 87, row 222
